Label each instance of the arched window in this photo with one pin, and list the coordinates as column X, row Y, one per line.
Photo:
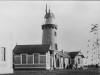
column 78, row 60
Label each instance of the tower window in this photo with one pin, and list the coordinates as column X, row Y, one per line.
column 55, row 34
column 56, row 46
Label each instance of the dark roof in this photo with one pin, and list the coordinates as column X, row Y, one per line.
column 73, row 54
column 60, row 53
column 31, row 49
column 81, row 56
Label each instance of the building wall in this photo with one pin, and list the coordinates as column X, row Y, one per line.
column 6, row 57
column 50, row 37
column 48, row 60
column 30, row 61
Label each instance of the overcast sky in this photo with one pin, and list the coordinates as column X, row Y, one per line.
column 20, row 21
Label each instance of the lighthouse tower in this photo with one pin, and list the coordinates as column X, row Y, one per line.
column 49, row 30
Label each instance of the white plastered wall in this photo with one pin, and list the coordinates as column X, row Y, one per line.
column 81, row 61
column 6, row 66
column 48, row 60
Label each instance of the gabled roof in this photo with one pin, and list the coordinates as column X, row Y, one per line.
column 81, row 56
column 31, row 49
column 60, row 53
column 73, row 54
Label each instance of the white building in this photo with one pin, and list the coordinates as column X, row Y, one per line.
column 6, row 60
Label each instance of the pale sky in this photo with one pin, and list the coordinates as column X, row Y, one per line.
column 20, row 21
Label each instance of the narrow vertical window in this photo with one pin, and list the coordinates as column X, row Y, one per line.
column 2, row 54
column 78, row 60
column 55, row 33
column 36, row 58
column 56, row 46
column 23, row 58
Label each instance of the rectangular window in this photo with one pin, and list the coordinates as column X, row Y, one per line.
column 23, row 58
column 42, row 59
column 78, row 61
column 30, row 59
column 56, row 46
column 36, row 58
column 55, row 33
column 2, row 54
column 17, row 59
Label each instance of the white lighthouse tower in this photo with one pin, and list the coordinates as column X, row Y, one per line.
column 49, row 30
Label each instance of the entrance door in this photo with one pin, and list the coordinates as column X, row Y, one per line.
column 57, row 63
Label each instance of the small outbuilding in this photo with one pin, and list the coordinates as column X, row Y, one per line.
column 6, row 60
column 76, row 59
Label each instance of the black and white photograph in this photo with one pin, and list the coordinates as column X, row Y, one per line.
column 47, row 37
